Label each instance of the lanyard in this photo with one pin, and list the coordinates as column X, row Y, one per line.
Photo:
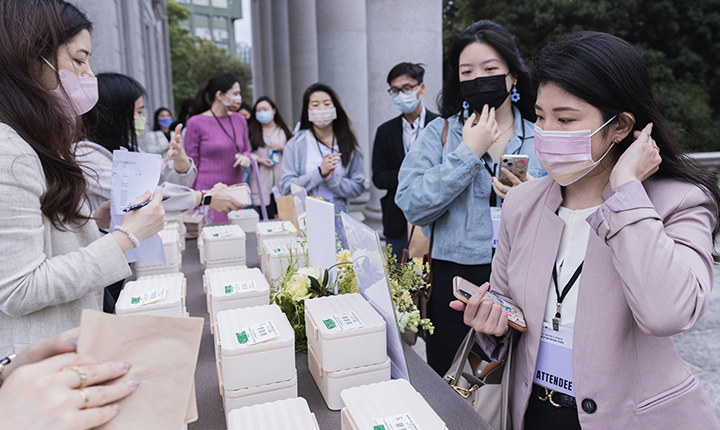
column 317, row 142
column 234, row 136
column 565, row 291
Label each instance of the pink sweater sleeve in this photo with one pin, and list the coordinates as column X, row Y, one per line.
column 192, row 141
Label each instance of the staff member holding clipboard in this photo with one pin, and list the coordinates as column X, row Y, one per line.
column 450, row 186
column 217, row 139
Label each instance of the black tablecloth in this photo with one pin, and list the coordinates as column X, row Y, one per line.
column 446, row 403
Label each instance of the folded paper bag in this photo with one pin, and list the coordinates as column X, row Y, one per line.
column 163, row 352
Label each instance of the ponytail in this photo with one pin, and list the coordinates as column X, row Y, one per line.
column 206, row 96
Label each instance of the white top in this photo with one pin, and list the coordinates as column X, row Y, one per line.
column 315, row 153
column 571, row 253
column 412, row 131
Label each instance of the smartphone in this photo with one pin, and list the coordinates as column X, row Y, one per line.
column 464, row 289
column 517, row 164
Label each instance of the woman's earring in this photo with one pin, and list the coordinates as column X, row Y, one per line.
column 617, row 140
column 515, row 96
column 466, row 106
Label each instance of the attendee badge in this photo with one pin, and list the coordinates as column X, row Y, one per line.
column 495, row 219
column 554, row 368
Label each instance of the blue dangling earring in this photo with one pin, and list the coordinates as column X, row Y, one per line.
column 466, row 106
column 515, row 96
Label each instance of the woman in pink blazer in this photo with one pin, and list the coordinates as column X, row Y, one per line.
column 608, row 256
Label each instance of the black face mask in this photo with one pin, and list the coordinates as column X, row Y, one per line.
column 485, row 90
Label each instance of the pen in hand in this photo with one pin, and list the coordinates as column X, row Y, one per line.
column 141, row 205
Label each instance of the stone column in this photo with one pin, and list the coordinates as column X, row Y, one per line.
column 106, row 35
column 266, row 49
column 397, row 31
column 303, row 52
column 342, row 54
column 281, row 57
column 258, row 80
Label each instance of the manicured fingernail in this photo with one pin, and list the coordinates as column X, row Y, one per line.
column 73, row 342
column 125, row 365
column 503, row 169
column 116, row 407
column 493, row 178
column 132, row 383
column 492, row 109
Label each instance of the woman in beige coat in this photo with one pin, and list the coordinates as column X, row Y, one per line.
column 54, row 262
column 608, row 256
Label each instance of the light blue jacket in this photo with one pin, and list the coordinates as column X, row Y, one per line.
column 345, row 187
column 451, row 185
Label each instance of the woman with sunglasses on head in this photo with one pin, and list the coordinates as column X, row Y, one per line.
column 608, row 256
column 217, row 139
column 456, row 185
column 324, row 157
column 268, row 135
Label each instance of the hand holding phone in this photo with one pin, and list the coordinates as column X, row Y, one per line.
column 463, row 290
column 517, row 164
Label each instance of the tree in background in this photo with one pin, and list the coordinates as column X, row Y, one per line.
column 678, row 39
column 195, row 60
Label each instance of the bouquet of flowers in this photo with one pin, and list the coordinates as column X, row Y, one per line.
column 406, row 280
column 301, row 283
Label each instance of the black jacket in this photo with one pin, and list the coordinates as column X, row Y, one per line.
column 388, row 155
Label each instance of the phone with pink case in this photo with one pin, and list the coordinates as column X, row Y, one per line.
column 464, row 289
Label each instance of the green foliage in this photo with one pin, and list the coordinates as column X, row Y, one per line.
column 678, row 39
column 195, row 60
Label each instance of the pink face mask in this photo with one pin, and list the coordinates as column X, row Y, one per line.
column 567, row 155
column 322, row 118
column 82, row 92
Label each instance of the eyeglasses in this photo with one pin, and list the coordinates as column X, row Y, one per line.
column 393, row 91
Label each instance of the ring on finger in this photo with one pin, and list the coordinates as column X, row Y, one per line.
column 82, row 375
column 83, row 392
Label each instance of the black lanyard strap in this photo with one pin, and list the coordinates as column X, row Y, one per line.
column 234, row 135
column 565, row 291
column 317, row 142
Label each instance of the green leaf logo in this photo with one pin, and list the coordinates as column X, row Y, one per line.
column 242, row 338
column 330, row 324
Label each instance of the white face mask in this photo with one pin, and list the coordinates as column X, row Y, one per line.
column 322, row 118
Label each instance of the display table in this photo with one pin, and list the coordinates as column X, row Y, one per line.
column 443, row 399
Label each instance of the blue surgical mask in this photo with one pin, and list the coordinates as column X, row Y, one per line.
column 406, row 102
column 165, row 122
column 264, row 116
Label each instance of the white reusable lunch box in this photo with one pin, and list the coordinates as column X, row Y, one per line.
column 364, row 406
column 175, row 222
column 158, row 295
column 247, row 219
column 241, row 193
column 246, row 364
column 150, row 269
column 171, row 245
column 279, row 415
column 223, row 245
column 234, row 287
column 331, row 384
column 236, row 399
column 276, row 255
column 337, row 348
column 273, row 230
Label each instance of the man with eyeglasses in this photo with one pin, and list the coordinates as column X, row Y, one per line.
column 393, row 140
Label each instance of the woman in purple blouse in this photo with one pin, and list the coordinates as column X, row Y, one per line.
column 217, row 139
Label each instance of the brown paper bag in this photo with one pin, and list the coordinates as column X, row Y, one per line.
column 418, row 245
column 163, row 352
column 286, row 210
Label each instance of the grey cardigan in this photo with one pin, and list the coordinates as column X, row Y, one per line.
column 349, row 186
column 47, row 276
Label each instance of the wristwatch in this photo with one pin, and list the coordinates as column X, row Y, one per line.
column 205, row 198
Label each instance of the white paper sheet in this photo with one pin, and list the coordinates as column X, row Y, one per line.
column 133, row 173
column 320, row 221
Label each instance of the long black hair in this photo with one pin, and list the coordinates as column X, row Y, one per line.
column 496, row 36
column 29, row 32
column 206, row 96
column 347, row 142
column 255, row 128
column 608, row 73
column 111, row 123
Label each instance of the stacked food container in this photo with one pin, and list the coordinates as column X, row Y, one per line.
column 346, row 345
column 173, row 258
column 256, row 351
column 158, row 295
column 234, row 287
column 276, row 255
column 222, row 245
column 247, row 219
column 280, row 415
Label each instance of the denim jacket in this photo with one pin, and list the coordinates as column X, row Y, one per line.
column 349, row 186
column 451, row 186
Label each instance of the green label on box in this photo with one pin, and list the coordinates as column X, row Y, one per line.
column 228, row 289
column 216, row 235
column 242, row 338
column 380, row 427
column 329, row 323
column 135, row 300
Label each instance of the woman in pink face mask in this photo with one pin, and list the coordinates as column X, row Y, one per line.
column 616, row 244
column 324, row 156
